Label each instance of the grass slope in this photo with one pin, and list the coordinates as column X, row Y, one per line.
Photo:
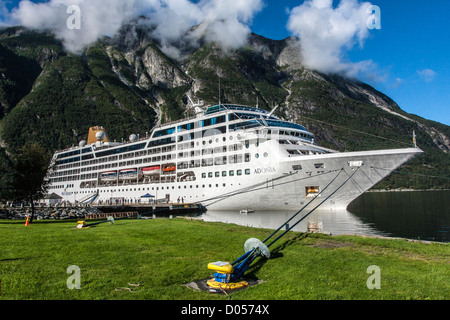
column 163, row 255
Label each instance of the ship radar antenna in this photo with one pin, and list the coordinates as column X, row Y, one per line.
column 219, row 90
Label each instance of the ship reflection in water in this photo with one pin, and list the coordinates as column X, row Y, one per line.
column 423, row 215
column 328, row 221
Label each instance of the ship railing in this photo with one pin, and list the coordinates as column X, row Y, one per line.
column 176, row 121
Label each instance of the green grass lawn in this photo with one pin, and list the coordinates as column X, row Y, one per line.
column 162, row 255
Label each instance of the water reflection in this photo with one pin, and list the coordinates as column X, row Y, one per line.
column 413, row 215
column 334, row 222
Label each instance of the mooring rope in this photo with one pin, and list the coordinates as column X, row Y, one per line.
column 273, row 241
column 261, row 186
column 315, row 197
column 245, row 260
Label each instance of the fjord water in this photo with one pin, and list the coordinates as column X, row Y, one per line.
column 423, row 215
column 415, row 215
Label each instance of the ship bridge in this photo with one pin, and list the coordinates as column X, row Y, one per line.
column 244, row 117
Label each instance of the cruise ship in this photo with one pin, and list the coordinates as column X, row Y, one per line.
column 226, row 157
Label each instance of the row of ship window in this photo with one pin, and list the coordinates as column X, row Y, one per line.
column 159, row 188
column 217, row 174
column 207, row 151
column 72, row 175
column 190, row 126
column 236, row 158
column 61, row 186
column 230, row 173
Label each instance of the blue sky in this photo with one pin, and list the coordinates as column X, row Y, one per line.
column 409, row 54
column 411, row 50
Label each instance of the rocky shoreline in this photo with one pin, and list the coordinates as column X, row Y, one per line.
column 403, row 190
column 46, row 213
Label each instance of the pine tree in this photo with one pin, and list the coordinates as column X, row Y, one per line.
column 28, row 183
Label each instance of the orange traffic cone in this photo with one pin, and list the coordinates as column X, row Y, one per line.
column 27, row 222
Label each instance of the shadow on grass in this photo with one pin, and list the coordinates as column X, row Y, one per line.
column 65, row 221
column 276, row 253
column 22, row 258
column 39, row 221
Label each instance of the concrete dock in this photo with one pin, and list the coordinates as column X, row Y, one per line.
column 150, row 210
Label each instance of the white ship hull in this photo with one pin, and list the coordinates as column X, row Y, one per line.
column 285, row 189
column 274, row 186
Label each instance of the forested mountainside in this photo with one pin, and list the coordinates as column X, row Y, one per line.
column 128, row 85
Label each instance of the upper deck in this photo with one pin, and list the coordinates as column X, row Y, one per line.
column 218, row 119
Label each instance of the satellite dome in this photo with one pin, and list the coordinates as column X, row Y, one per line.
column 133, row 138
column 100, row 136
column 82, row 143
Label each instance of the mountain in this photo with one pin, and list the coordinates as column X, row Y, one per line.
column 129, row 85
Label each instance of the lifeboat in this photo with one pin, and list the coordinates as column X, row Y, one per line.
column 151, row 170
column 128, row 174
column 109, row 176
column 169, row 168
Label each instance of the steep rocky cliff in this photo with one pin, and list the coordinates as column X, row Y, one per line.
column 129, row 84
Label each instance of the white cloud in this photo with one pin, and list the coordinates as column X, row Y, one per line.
column 327, row 33
column 427, row 75
column 227, row 21
column 4, row 13
column 98, row 18
column 397, row 83
column 224, row 21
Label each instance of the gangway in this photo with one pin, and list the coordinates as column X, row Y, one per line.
column 89, row 198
